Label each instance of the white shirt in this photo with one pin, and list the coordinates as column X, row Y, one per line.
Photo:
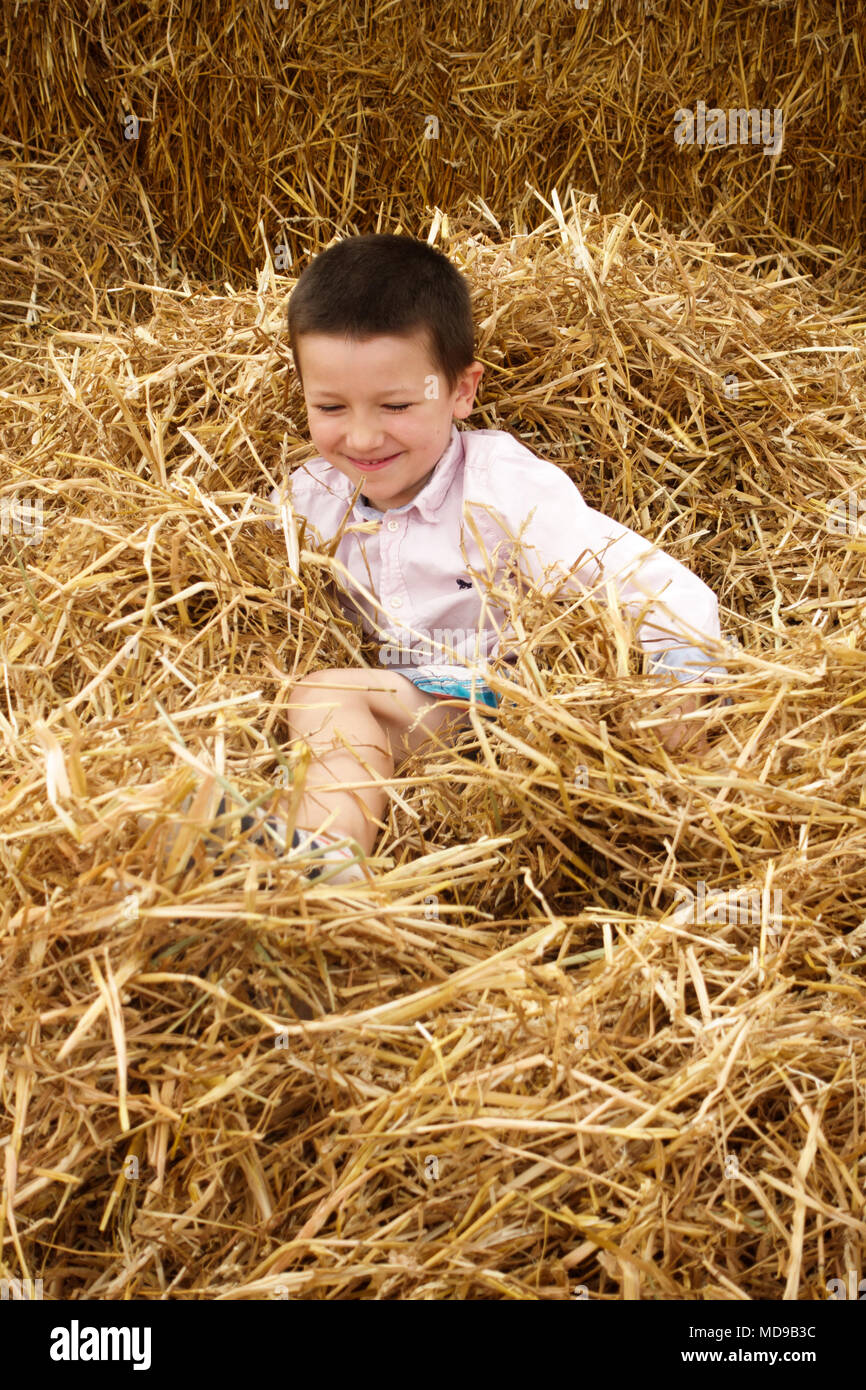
column 486, row 490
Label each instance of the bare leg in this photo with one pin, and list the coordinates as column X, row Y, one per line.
column 380, row 715
column 315, row 717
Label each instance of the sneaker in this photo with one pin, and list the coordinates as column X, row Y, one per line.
column 333, row 854
column 335, row 857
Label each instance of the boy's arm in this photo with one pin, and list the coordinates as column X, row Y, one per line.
column 676, row 611
column 674, row 662
column 677, row 729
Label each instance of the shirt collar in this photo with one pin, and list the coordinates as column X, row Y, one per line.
column 433, row 493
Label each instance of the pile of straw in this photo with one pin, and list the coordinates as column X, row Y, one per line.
column 515, row 1066
column 287, row 121
column 77, row 239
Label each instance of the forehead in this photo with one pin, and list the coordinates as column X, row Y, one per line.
column 326, row 355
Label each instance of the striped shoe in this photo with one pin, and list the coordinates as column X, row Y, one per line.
column 336, row 855
column 335, row 860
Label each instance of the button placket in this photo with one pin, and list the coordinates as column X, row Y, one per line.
column 394, row 601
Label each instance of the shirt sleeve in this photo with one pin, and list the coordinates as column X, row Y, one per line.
column 674, row 609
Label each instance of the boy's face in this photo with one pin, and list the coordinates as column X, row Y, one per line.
column 352, row 390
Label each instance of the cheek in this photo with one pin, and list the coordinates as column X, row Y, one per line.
column 322, row 431
column 416, row 431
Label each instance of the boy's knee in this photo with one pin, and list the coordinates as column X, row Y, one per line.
column 329, row 677
column 331, row 689
column 316, row 695
column 371, row 683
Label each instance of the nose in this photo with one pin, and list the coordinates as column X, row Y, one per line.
column 363, row 437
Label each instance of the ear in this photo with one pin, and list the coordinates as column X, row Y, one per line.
column 466, row 388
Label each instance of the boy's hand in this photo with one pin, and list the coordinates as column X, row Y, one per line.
column 674, row 732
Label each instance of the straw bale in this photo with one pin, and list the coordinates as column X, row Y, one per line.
column 79, row 241
column 516, row 1066
column 281, row 123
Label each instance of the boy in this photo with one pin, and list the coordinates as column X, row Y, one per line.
column 383, row 342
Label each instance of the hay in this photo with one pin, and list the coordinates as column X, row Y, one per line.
column 77, row 238
column 514, row 1067
column 283, row 125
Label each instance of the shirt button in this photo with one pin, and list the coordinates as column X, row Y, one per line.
column 393, row 526
column 396, row 603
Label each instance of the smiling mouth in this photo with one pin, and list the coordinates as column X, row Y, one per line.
column 368, row 464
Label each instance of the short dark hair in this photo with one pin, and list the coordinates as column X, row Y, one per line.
column 379, row 283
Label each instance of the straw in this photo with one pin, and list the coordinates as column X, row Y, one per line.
column 597, row 1023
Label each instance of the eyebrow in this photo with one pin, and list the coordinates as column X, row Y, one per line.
column 391, row 391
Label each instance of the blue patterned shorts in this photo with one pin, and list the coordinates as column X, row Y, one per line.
column 447, row 688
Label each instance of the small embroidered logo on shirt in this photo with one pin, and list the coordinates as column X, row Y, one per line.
column 464, row 583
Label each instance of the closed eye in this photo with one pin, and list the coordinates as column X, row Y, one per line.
column 327, row 409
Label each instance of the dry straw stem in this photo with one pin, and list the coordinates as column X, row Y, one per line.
column 513, row 1064
column 75, row 227
column 304, row 120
